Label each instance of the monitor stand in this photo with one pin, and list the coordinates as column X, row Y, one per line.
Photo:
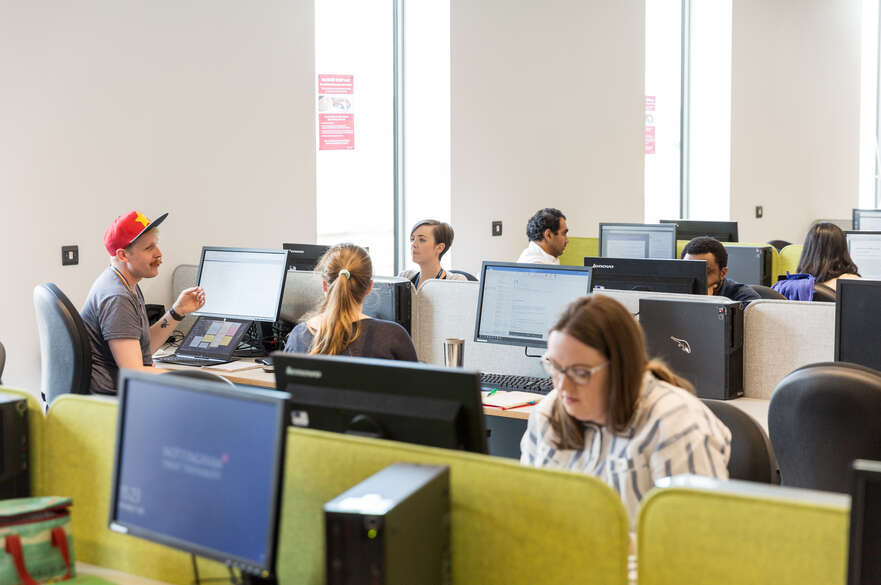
column 257, row 580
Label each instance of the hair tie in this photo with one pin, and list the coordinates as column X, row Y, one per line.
column 346, row 273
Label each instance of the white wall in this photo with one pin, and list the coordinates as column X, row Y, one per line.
column 547, row 111
column 202, row 108
column 795, row 114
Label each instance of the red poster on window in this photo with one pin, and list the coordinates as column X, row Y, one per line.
column 650, row 124
column 336, row 116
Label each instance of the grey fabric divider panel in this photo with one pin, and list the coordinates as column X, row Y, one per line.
column 781, row 336
column 630, row 298
column 183, row 277
column 448, row 308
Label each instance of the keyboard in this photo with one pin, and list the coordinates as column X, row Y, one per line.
column 510, row 382
column 185, row 360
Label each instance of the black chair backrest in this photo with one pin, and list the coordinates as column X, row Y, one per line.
column 752, row 458
column 65, row 350
column 200, row 374
column 2, row 361
column 467, row 275
column 766, row 292
column 821, row 418
column 779, row 244
column 823, row 293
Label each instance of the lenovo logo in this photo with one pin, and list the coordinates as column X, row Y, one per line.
column 609, row 266
column 682, row 343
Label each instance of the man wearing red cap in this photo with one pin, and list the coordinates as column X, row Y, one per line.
column 115, row 315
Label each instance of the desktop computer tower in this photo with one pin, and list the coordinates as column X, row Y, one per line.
column 391, row 299
column 701, row 341
column 392, row 528
column 15, row 473
column 750, row 264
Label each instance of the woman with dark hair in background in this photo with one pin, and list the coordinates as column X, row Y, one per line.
column 613, row 413
column 430, row 239
column 825, row 255
column 338, row 326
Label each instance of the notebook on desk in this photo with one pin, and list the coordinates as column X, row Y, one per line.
column 211, row 341
column 509, row 399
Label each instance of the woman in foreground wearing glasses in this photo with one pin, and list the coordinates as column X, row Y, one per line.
column 616, row 415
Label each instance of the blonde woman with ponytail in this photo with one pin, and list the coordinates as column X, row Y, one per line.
column 613, row 413
column 338, row 326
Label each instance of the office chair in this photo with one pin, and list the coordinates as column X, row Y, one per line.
column 822, row 417
column 467, row 275
column 824, row 294
column 752, row 458
column 200, row 374
column 766, row 292
column 65, row 349
column 2, row 361
column 779, row 244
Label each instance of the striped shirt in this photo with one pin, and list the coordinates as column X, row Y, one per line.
column 672, row 432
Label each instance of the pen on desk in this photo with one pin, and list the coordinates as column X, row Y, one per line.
column 530, row 403
column 491, row 392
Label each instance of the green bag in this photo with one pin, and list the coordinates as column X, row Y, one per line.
column 38, row 541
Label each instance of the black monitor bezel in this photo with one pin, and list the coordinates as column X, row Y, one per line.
column 272, row 397
column 841, row 292
column 279, row 296
column 855, row 213
column 862, row 472
column 328, row 372
column 602, row 259
column 725, row 226
column 293, row 248
column 534, row 266
column 649, row 227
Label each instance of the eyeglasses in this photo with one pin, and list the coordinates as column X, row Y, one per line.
column 577, row 373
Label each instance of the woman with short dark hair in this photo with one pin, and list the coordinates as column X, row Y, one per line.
column 613, row 413
column 430, row 239
column 825, row 255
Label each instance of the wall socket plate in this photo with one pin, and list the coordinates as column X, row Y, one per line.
column 760, row 211
column 70, row 255
column 497, row 228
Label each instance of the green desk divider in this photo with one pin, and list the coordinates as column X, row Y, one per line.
column 789, row 258
column 578, row 249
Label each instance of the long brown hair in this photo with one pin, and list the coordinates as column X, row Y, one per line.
column 337, row 314
column 607, row 326
column 825, row 253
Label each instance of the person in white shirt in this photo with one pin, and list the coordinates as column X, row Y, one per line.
column 548, row 235
column 429, row 241
column 613, row 413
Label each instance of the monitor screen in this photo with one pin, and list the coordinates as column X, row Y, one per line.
column 518, row 303
column 858, row 322
column 242, row 283
column 304, row 256
column 688, row 229
column 637, row 240
column 401, row 401
column 199, row 466
column 214, row 337
column 674, row 276
column 865, row 251
column 864, row 562
column 867, row 220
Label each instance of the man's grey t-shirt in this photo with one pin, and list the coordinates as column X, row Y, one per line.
column 112, row 311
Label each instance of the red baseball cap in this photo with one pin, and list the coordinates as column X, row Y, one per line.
column 127, row 228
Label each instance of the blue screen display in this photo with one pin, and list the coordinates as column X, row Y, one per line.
column 198, row 467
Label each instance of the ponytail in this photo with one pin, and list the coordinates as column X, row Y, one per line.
column 347, row 270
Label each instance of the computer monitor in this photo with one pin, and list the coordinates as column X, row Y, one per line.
column 868, row 220
column 242, row 283
column 688, row 229
column 304, row 256
column 199, row 467
column 637, row 240
column 401, row 401
column 865, row 251
column 518, row 303
column 675, row 276
column 750, row 264
column 858, row 322
column 864, row 555
column 390, row 299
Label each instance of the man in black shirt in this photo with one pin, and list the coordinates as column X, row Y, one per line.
column 716, row 257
